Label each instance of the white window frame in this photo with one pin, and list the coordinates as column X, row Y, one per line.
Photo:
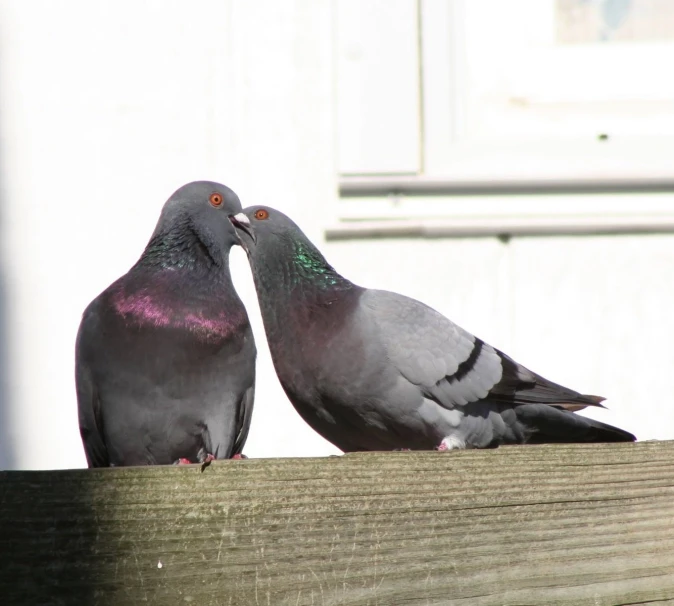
column 503, row 189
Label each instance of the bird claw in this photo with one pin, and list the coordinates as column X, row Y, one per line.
column 239, row 456
column 182, row 461
column 204, row 458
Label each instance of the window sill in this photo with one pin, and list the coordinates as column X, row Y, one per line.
column 414, row 185
column 500, row 227
column 418, row 207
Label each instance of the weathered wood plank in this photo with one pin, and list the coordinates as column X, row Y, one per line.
column 520, row 525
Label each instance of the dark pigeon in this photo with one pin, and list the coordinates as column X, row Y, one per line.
column 165, row 356
column 375, row 370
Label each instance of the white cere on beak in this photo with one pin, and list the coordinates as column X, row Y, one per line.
column 241, row 218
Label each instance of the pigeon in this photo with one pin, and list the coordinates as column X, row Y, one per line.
column 375, row 370
column 165, row 356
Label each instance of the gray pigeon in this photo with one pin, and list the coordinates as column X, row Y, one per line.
column 375, row 370
column 165, row 356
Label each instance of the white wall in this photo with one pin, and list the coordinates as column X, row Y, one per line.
column 107, row 107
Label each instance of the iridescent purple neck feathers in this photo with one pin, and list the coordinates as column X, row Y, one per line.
column 169, row 299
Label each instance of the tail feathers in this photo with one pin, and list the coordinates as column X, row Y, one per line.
column 550, row 424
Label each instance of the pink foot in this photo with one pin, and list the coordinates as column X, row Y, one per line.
column 183, row 461
column 239, row 457
column 453, row 442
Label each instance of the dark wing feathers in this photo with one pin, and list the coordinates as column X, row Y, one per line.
column 245, row 416
column 519, row 385
column 89, row 406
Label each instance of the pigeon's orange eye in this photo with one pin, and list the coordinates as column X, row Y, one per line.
column 261, row 214
column 216, row 199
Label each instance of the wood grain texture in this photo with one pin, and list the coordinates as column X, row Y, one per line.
column 513, row 526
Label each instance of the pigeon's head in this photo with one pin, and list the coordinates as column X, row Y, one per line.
column 269, row 237
column 261, row 228
column 204, row 208
column 281, row 254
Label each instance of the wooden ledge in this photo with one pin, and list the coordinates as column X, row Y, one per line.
column 546, row 525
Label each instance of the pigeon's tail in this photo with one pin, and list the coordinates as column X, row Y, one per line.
column 550, row 424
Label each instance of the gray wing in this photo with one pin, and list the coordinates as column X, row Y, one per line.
column 453, row 367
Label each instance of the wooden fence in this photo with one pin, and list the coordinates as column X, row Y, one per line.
column 513, row 526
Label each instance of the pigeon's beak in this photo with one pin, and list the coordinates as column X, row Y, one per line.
column 241, row 222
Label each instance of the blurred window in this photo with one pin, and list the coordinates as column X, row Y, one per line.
column 517, row 90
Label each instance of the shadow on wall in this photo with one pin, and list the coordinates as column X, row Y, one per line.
column 48, row 526
column 7, row 452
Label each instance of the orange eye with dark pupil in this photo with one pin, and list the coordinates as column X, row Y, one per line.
column 216, row 200
column 261, row 214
